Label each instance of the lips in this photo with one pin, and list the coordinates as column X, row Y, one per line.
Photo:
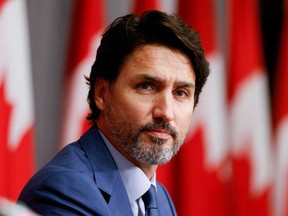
column 159, row 130
column 160, row 134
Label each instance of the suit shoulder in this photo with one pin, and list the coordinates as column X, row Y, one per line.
column 63, row 186
column 71, row 157
column 165, row 200
column 63, row 193
column 66, row 167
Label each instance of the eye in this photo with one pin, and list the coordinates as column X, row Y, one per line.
column 145, row 86
column 181, row 94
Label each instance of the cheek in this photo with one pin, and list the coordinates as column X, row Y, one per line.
column 183, row 118
column 131, row 110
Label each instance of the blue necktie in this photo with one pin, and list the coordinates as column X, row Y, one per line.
column 150, row 201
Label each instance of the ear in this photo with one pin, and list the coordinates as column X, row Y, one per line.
column 101, row 91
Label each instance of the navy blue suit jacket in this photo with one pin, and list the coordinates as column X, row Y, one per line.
column 83, row 179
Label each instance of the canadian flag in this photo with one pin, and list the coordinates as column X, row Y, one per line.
column 140, row 6
column 87, row 26
column 249, row 122
column 280, row 103
column 202, row 161
column 16, row 100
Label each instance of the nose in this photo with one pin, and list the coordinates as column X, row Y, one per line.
column 163, row 109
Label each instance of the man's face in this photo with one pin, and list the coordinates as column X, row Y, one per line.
column 146, row 113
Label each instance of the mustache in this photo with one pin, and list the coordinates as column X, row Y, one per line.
column 159, row 126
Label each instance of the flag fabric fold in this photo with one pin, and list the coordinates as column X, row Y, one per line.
column 202, row 163
column 88, row 23
column 280, row 112
column 140, row 6
column 16, row 100
column 249, row 113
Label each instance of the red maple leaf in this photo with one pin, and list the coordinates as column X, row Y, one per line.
column 16, row 165
column 5, row 113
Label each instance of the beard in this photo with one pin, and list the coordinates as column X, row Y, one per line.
column 147, row 150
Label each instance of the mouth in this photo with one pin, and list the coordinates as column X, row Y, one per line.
column 160, row 131
column 159, row 134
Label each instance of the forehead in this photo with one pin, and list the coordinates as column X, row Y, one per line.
column 160, row 61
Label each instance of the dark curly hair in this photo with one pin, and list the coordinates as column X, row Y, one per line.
column 128, row 32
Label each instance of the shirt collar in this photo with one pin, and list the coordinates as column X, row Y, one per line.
column 134, row 179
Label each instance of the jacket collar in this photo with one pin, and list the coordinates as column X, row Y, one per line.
column 105, row 171
column 104, row 168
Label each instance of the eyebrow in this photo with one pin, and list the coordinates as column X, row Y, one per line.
column 160, row 80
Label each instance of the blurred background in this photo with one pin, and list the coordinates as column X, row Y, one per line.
column 235, row 159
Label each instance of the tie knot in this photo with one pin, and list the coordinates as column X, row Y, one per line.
column 150, row 198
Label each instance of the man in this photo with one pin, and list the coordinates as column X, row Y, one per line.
column 144, row 85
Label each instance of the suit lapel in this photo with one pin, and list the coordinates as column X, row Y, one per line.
column 105, row 172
